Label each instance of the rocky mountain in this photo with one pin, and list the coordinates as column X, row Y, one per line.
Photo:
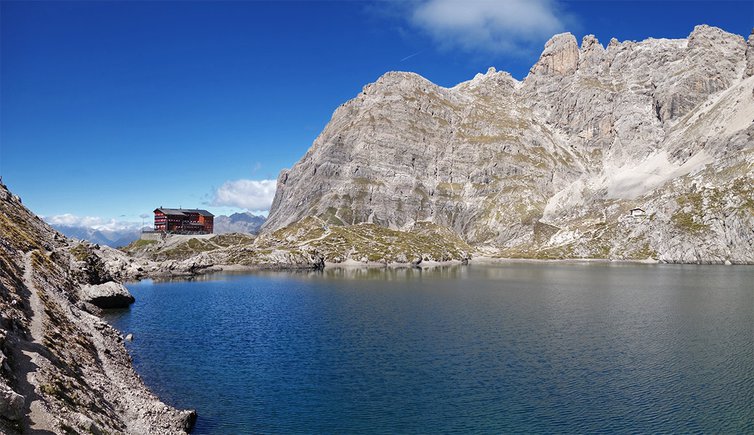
column 238, row 223
column 62, row 368
column 632, row 150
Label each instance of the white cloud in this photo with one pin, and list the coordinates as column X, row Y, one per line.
column 95, row 222
column 488, row 25
column 249, row 194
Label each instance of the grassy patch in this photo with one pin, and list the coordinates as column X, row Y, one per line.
column 688, row 218
column 374, row 243
column 232, row 239
column 187, row 249
column 688, row 222
column 80, row 252
column 15, row 235
column 143, row 243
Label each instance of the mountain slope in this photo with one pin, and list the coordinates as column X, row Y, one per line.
column 550, row 166
column 62, row 368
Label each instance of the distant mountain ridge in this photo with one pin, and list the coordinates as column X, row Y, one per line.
column 112, row 238
column 551, row 166
column 239, row 223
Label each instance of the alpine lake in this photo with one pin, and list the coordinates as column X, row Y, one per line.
column 520, row 347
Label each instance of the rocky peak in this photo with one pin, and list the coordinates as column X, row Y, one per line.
column 707, row 37
column 493, row 82
column 591, row 54
column 589, row 43
column 560, row 56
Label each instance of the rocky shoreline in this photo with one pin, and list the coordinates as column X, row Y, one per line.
column 62, row 368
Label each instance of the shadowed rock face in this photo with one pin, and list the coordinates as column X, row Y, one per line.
column 589, row 134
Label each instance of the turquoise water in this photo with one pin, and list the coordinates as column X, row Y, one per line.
column 497, row 349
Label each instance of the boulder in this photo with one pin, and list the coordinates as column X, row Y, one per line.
column 108, row 295
column 11, row 403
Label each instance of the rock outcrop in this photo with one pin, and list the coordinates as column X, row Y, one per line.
column 551, row 166
column 62, row 369
column 560, row 57
column 107, row 295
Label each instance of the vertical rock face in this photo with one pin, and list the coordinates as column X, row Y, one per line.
column 591, row 56
column 712, row 61
column 63, row 369
column 750, row 56
column 590, row 133
column 560, row 57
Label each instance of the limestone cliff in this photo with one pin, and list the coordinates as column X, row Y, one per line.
column 551, row 166
column 63, row 369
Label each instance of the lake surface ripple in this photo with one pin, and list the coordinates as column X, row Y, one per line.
column 497, row 349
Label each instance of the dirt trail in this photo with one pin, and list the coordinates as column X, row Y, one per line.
column 38, row 418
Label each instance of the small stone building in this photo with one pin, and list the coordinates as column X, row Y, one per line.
column 638, row 213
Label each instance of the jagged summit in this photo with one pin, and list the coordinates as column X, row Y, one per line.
column 560, row 57
column 554, row 162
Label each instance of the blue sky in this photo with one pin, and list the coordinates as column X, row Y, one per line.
column 110, row 109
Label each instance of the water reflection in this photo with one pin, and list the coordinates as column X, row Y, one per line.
column 509, row 348
column 394, row 274
column 371, row 273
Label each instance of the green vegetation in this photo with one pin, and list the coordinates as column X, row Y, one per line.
column 743, row 187
column 371, row 242
column 375, row 243
column 232, row 239
column 305, row 229
column 186, row 249
column 688, row 217
column 643, row 253
column 549, row 253
column 19, row 238
column 172, row 249
column 688, row 222
column 80, row 252
column 450, row 190
column 41, row 261
column 139, row 244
